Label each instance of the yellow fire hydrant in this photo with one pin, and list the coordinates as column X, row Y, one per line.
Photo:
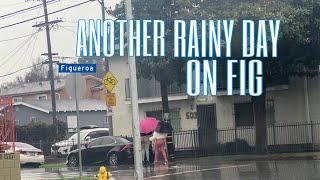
column 103, row 173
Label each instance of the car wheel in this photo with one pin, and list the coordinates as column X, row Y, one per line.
column 113, row 159
column 73, row 161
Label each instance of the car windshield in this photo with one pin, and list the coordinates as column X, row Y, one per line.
column 24, row 145
column 74, row 137
column 122, row 140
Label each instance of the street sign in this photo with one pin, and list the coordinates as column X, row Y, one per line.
column 77, row 68
column 70, row 85
column 111, row 99
column 110, row 81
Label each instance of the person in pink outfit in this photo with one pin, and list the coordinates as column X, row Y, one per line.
column 159, row 140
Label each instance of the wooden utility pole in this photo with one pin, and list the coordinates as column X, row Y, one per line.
column 51, row 74
column 109, row 118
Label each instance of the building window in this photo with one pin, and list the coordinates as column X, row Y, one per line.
column 17, row 99
column 174, row 116
column 16, row 122
column 243, row 114
column 42, row 97
column 127, row 88
column 33, row 119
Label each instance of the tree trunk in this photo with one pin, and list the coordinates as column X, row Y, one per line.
column 165, row 108
column 164, row 96
column 259, row 112
column 259, row 115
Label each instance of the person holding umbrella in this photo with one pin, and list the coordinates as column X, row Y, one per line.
column 159, row 138
column 147, row 127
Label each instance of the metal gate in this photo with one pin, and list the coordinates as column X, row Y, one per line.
column 207, row 127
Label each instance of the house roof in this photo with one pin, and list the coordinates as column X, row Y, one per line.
column 29, row 88
column 66, row 105
column 40, row 87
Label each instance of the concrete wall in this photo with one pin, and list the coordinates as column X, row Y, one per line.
column 314, row 98
column 122, row 119
column 289, row 107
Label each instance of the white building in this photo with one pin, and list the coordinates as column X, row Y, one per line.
column 285, row 104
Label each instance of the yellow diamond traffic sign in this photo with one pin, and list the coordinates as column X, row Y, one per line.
column 110, row 81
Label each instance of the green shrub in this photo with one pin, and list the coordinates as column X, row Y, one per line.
column 39, row 131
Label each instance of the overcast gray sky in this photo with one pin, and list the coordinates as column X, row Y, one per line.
column 22, row 52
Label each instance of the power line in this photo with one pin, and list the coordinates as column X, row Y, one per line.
column 23, row 53
column 11, row 39
column 67, row 29
column 14, row 51
column 24, row 10
column 10, row 5
column 69, row 7
column 5, row 75
column 19, row 47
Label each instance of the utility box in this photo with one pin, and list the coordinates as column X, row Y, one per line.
column 10, row 166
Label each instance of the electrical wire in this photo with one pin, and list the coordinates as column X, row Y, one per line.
column 63, row 9
column 67, row 29
column 11, row 39
column 17, row 60
column 13, row 4
column 24, row 10
column 5, row 75
column 14, row 51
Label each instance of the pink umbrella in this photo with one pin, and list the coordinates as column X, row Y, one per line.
column 148, row 125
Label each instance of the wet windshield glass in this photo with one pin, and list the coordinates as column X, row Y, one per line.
column 74, row 137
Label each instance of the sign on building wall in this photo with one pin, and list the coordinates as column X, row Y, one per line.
column 191, row 115
column 72, row 123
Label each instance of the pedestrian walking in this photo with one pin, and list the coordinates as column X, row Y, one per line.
column 145, row 144
column 159, row 140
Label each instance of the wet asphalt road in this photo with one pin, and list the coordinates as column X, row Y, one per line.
column 202, row 168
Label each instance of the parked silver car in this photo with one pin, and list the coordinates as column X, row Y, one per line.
column 86, row 135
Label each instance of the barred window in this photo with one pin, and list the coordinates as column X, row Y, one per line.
column 243, row 114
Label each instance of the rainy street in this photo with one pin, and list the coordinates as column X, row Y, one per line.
column 202, row 168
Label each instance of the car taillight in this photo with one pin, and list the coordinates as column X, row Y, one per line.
column 40, row 153
column 126, row 147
